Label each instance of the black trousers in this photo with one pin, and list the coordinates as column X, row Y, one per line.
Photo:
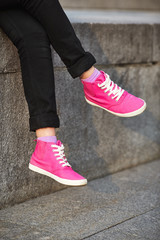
column 32, row 25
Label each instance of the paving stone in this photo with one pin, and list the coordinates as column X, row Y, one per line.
column 12, row 231
column 143, row 227
column 78, row 212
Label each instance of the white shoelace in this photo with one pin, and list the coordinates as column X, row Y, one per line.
column 61, row 155
column 114, row 89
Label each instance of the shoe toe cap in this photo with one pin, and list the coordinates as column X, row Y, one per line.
column 69, row 174
column 131, row 104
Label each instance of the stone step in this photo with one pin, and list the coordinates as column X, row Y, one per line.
column 114, row 4
column 97, row 143
column 121, row 206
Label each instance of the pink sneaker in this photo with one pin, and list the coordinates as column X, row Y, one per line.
column 107, row 95
column 49, row 159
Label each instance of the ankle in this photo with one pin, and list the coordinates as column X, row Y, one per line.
column 88, row 73
column 44, row 132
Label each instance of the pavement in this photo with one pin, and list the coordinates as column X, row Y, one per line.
column 121, row 206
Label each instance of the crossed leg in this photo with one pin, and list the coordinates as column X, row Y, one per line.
column 34, row 50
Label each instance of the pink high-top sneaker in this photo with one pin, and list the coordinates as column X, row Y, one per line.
column 49, row 159
column 107, row 95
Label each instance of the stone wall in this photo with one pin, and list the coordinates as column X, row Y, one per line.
column 97, row 143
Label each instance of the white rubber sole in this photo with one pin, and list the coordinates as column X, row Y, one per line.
column 131, row 114
column 58, row 179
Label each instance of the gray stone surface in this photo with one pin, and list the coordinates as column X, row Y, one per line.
column 104, row 41
column 95, row 141
column 117, row 37
column 8, row 55
column 113, row 38
column 114, row 4
column 142, row 227
column 156, row 43
column 99, row 138
column 125, row 200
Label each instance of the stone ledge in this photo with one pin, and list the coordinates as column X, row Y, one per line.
column 94, row 142
column 114, row 4
column 113, row 38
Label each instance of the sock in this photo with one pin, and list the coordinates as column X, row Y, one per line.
column 93, row 77
column 48, row 139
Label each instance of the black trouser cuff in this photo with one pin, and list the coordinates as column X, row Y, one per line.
column 44, row 120
column 82, row 65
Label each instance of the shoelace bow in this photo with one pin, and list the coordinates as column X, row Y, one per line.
column 114, row 89
column 61, row 155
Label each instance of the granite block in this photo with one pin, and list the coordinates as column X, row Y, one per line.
column 8, row 55
column 156, row 43
column 96, row 142
column 112, row 37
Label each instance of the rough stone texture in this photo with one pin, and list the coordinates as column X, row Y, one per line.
column 114, row 4
column 94, row 139
column 103, row 137
column 103, row 41
column 113, row 38
column 126, row 202
column 156, row 43
column 117, row 38
column 17, row 183
column 143, row 227
column 8, row 55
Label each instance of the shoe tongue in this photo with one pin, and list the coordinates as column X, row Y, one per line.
column 101, row 78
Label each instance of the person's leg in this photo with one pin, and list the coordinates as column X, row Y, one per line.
column 38, row 79
column 4, row 4
column 80, row 63
column 61, row 34
column 37, row 70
